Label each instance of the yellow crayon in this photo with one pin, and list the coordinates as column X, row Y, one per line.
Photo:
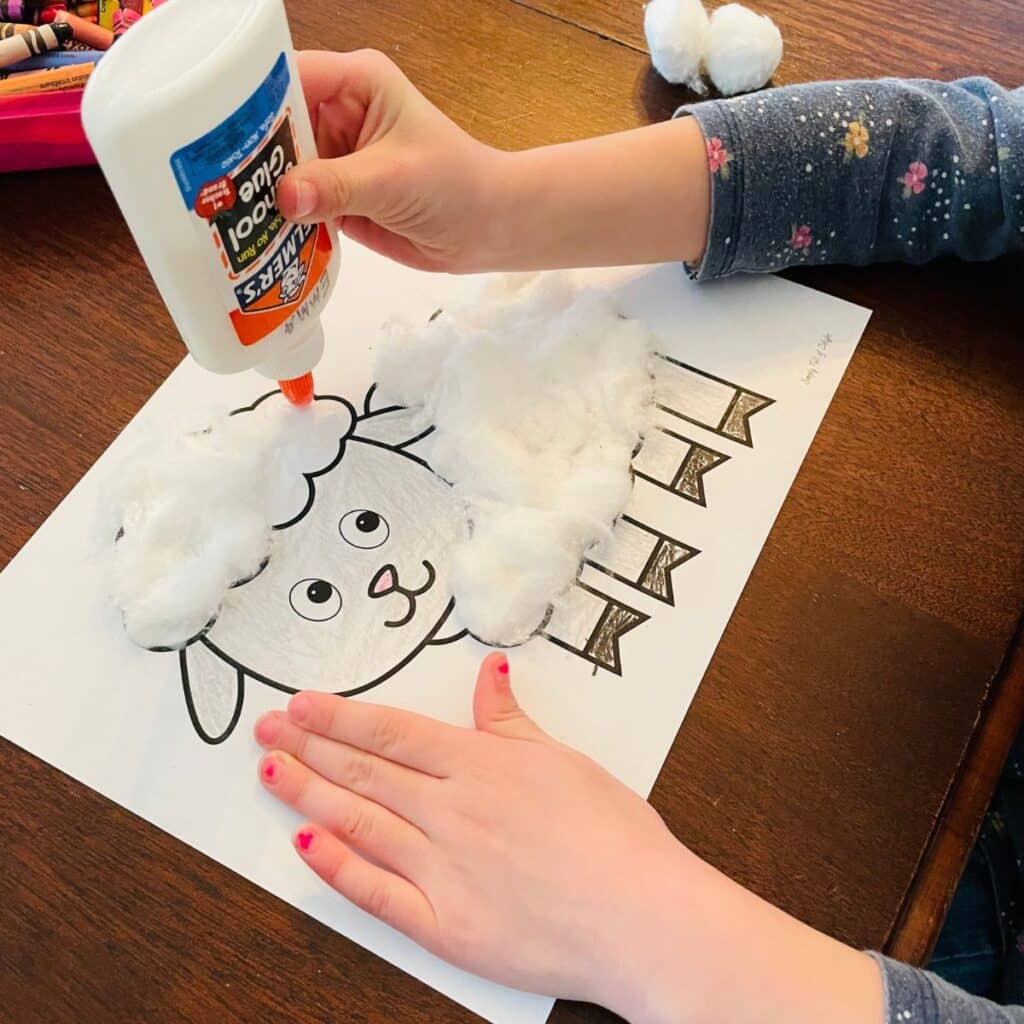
column 105, row 13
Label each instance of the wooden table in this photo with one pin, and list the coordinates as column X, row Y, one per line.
column 845, row 741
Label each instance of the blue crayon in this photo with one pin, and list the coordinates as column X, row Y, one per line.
column 61, row 59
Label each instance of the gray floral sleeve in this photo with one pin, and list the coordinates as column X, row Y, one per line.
column 918, row 997
column 863, row 172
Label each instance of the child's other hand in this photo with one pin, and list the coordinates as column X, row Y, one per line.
column 498, row 849
column 395, row 173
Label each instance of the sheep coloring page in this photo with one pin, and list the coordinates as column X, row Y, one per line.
column 356, row 598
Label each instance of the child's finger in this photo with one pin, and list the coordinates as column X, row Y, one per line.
column 352, row 774
column 495, row 708
column 361, row 74
column 348, row 79
column 360, row 183
column 414, row 740
column 394, row 786
column 389, row 898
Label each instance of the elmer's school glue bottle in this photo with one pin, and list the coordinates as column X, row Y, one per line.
column 194, row 116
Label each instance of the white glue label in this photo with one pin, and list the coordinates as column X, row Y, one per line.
column 271, row 270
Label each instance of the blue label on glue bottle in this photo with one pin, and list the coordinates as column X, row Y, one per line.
column 228, row 181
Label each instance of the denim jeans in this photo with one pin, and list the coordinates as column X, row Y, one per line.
column 981, row 948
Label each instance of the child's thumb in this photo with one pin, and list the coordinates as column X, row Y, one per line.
column 495, row 708
column 319, row 190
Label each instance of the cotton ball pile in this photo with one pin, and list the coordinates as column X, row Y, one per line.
column 677, row 35
column 744, row 49
column 193, row 519
column 193, row 515
column 539, row 394
column 739, row 49
column 506, row 576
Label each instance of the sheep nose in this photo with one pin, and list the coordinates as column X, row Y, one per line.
column 384, row 582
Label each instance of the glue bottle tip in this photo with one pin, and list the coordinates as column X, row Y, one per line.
column 298, row 391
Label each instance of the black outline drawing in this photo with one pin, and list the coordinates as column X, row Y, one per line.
column 657, row 565
column 243, row 671
column 697, row 452
column 613, row 621
column 190, row 702
column 733, row 410
column 599, row 636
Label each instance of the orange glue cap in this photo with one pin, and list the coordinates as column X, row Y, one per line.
column 299, row 390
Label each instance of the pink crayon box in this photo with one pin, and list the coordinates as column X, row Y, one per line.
column 43, row 130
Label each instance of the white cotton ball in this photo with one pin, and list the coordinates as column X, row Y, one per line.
column 411, row 362
column 743, row 49
column 538, row 393
column 677, row 35
column 194, row 514
column 509, row 572
column 194, row 520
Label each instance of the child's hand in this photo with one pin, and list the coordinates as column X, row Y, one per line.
column 513, row 856
column 396, row 174
column 497, row 848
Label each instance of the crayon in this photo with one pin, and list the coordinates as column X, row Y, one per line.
column 18, row 10
column 123, row 20
column 33, row 44
column 73, row 77
column 96, row 36
column 28, row 12
column 64, row 58
column 49, row 14
column 105, row 10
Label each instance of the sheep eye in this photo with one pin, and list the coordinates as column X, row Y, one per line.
column 315, row 600
column 364, row 528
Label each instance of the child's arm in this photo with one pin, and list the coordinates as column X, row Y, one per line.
column 845, row 172
column 407, row 181
column 864, row 172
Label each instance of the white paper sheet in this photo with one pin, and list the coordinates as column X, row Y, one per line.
column 76, row 693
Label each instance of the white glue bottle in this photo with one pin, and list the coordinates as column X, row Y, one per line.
column 194, row 116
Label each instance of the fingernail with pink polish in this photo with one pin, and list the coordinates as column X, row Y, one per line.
column 503, row 666
column 269, row 771
column 304, row 840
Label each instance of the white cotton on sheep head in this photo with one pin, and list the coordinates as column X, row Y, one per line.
column 305, row 549
column 357, row 581
column 193, row 513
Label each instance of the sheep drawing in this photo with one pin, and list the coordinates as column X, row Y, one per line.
column 357, row 583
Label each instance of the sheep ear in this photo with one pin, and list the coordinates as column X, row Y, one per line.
column 214, row 691
column 391, row 425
